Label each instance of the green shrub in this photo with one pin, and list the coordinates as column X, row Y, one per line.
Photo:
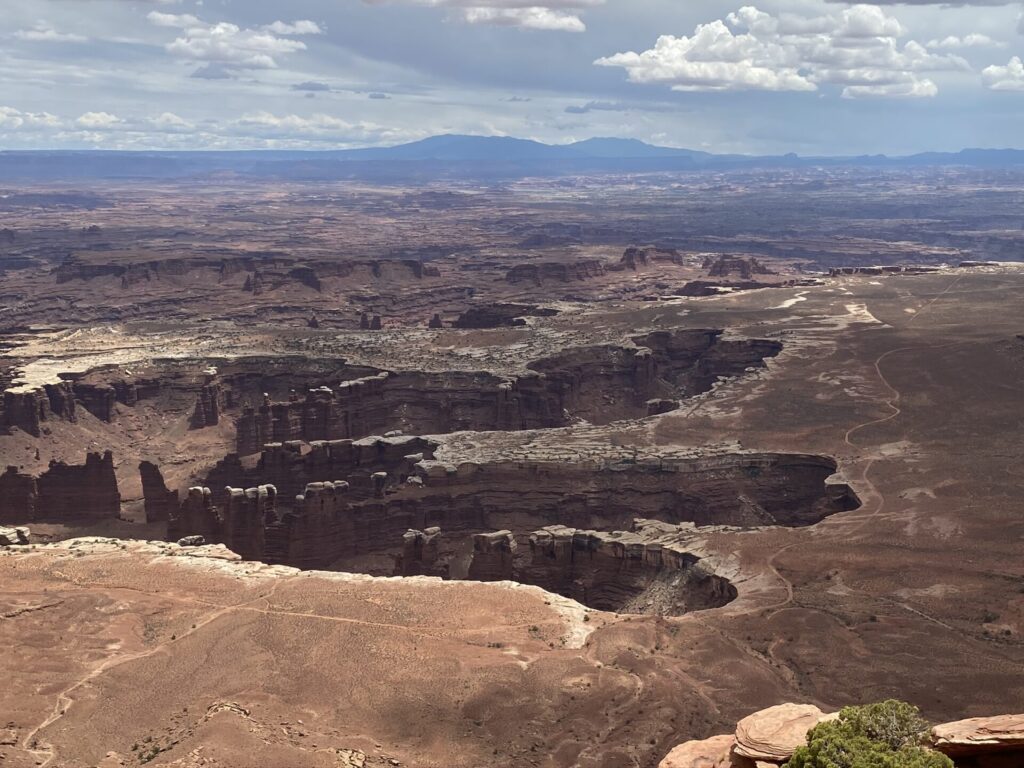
column 884, row 735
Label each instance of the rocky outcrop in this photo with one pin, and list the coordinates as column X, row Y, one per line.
column 715, row 752
column 331, row 400
column 263, row 273
column 768, row 738
column 640, row 571
column 773, row 734
column 701, row 288
column 883, row 270
column 351, row 409
column 539, row 273
column 420, row 552
column 76, row 491
column 14, row 537
column 30, row 409
column 982, row 742
column 392, row 485
column 98, row 399
column 209, row 403
column 292, row 466
column 499, row 315
column 18, row 497
column 160, row 503
column 64, row 492
column 197, row 515
column 765, row 739
column 726, row 265
column 634, row 258
column 493, row 557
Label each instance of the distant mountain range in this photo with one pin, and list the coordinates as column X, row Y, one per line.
column 449, row 156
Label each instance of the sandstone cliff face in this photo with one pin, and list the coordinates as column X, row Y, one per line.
column 64, row 492
column 493, row 557
column 634, row 258
column 79, row 491
column 274, row 271
column 726, row 265
column 420, row 552
column 556, row 271
column 600, row 384
column 625, row 572
column 29, row 410
column 739, row 489
column 98, row 399
column 498, row 315
column 160, row 503
column 209, row 403
column 982, row 742
column 313, row 520
column 18, row 497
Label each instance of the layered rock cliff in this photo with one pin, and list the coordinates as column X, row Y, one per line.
column 64, row 492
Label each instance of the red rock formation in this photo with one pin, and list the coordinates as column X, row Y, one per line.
column 196, row 516
column 245, row 519
column 98, row 399
column 69, row 492
column 209, row 403
column 420, row 551
column 715, row 752
column 14, row 537
column 982, row 742
column 64, row 492
column 28, row 410
column 633, row 258
column 160, row 503
column 499, row 315
column 18, row 497
column 726, row 265
column 539, row 273
column 493, row 557
column 774, row 734
column 626, row 572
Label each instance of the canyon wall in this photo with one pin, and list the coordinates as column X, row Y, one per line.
column 64, row 492
column 380, row 491
column 599, row 384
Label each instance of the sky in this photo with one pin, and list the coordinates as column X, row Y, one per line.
column 805, row 76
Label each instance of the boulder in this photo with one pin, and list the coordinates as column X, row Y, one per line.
column 980, row 735
column 13, row 537
column 773, row 734
column 709, row 753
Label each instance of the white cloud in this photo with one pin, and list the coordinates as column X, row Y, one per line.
column 1008, row 78
column 225, row 46
column 552, row 15
column 13, row 119
column 227, row 43
column 303, row 27
column 98, row 121
column 170, row 122
column 917, row 89
column 753, row 50
column 43, row 32
column 528, row 18
column 972, row 40
column 181, row 20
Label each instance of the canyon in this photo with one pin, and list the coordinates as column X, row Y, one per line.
column 512, row 475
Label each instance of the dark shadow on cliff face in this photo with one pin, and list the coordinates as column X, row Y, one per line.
column 402, row 513
column 641, row 571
